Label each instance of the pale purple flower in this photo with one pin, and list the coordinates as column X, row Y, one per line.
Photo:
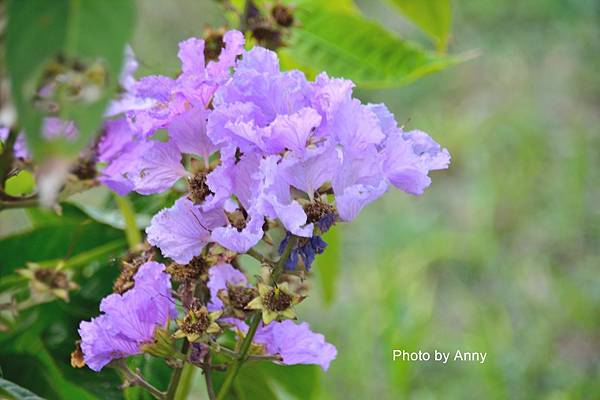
column 359, row 181
column 234, row 178
column 295, row 343
column 128, row 320
column 180, row 232
column 408, row 158
column 329, row 94
column 118, row 174
column 188, row 132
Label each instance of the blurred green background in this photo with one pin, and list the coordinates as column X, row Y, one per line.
column 502, row 253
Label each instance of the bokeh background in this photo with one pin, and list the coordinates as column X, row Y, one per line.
column 502, row 253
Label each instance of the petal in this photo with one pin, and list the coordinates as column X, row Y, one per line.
column 409, row 157
column 188, row 132
column 241, row 241
column 183, row 230
column 295, row 343
column 158, row 169
column 234, row 46
column 191, row 54
column 292, row 131
column 355, row 127
column 116, row 135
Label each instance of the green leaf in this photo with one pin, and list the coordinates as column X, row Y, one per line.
column 351, row 46
column 17, row 392
column 57, row 237
column 434, row 17
column 83, row 39
column 327, row 264
column 268, row 381
column 20, row 184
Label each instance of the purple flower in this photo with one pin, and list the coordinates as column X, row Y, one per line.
column 295, row 343
column 408, row 158
column 195, row 86
column 180, row 232
column 128, row 320
column 119, row 173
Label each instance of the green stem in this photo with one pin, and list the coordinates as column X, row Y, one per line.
column 132, row 233
column 208, row 376
column 176, row 376
column 259, row 257
column 70, row 189
column 235, row 367
column 185, row 382
column 256, row 318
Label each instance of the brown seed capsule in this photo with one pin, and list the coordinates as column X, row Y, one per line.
column 77, row 360
column 240, row 296
column 129, row 266
column 196, row 269
column 52, row 278
column 198, row 188
column 277, row 300
column 317, row 210
column 283, row 15
column 213, row 43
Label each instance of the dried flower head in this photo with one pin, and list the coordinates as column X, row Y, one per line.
column 275, row 302
column 197, row 324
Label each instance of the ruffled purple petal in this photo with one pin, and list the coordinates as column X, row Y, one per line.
column 409, row 157
column 128, row 320
column 295, row 343
column 188, row 132
column 183, row 230
column 158, row 169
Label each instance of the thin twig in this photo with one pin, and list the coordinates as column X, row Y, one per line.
column 208, row 376
column 260, row 257
column 133, row 378
column 6, row 158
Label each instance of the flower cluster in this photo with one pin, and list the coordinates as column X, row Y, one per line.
column 252, row 149
column 283, row 143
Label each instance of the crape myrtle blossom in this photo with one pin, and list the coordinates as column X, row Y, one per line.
column 128, row 320
column 260, row 149
column 160, row 102
column 293, row 343
column 282, row 140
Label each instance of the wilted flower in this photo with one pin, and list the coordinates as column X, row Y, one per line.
column 275, row 302
column 197, row 324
